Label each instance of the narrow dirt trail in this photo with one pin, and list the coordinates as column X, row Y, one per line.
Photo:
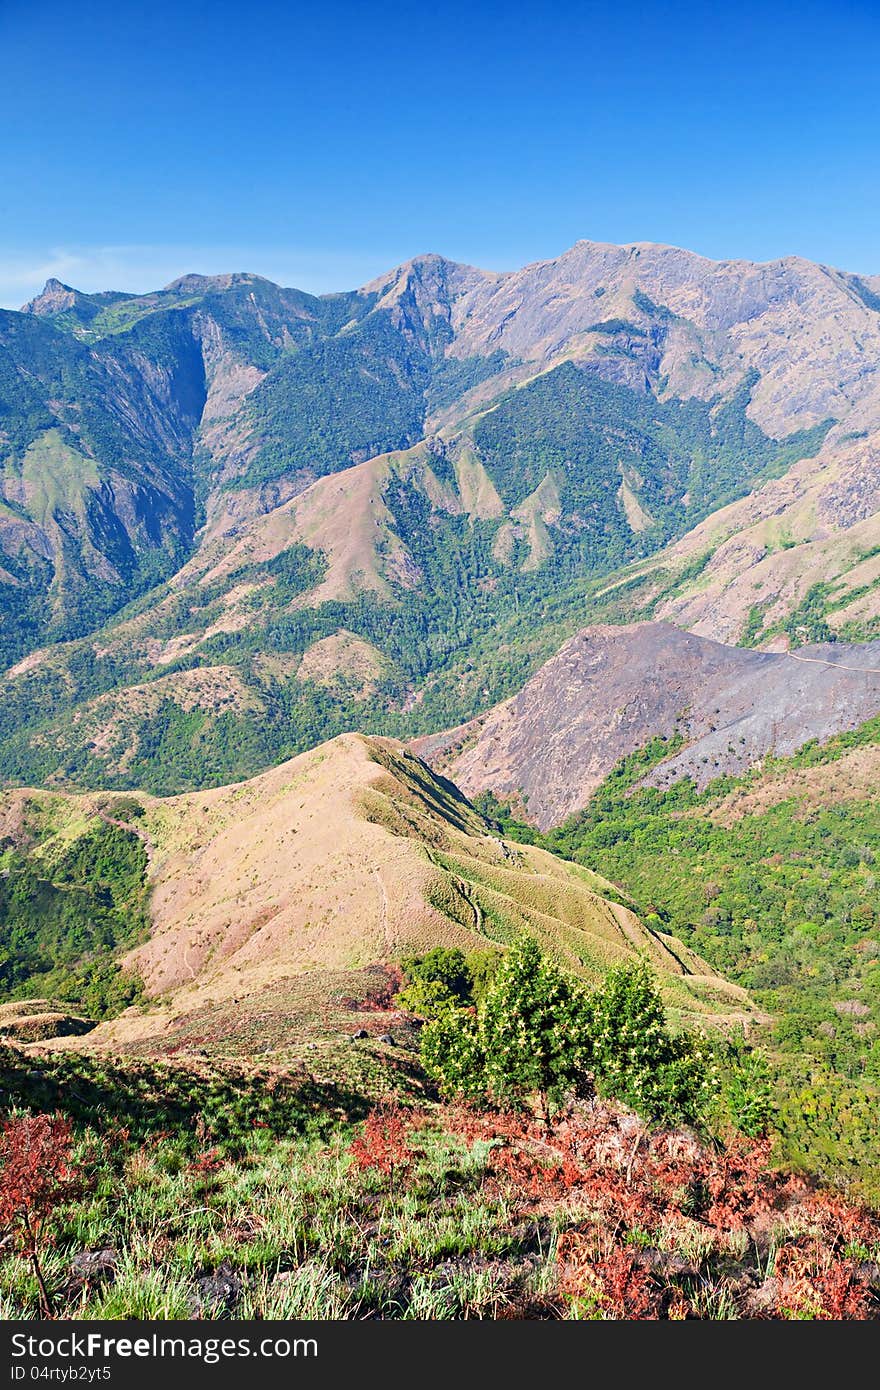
column 135, row 830
column 836, row 665
column 384, row 919
column 186, row 961
column 464, row 889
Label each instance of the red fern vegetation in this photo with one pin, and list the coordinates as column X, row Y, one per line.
column 669, row 1227
column 383, row 1141
column 648, row 1223
column 36, row 1174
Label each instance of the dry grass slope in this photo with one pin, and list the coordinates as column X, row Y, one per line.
column 349, row 855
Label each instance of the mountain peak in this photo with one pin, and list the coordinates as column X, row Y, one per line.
column 194, row 283
column 429, row 268
column 54, row 299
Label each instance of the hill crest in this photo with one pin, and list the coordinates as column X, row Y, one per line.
column 351, row 854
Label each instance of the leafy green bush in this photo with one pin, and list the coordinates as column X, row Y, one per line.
column 536, row 1027
column 538, row 1034
column 639, row 1061
column 437, row 979
column 453, row 1053
column 530, row 1036
column 483, row 967
column 447, row 976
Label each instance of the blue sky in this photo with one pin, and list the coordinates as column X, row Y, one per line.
column 320, row 144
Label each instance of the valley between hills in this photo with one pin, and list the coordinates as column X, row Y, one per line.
column 382, row 668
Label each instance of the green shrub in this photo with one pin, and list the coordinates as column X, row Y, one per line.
column 446, row 976
column 536, row 1030
column 441, row 977
column 528, row 1038
column 537, row 1034
column 664, row 1077
column 483, row 967
column 453, row 1053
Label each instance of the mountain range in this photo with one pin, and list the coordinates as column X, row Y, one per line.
column 237, row 519
column 285, row 579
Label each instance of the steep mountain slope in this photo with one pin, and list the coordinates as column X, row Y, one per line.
column 441, row 466
column 96, row 501
column 610, row 690
column 350, row 854
column 796, row 561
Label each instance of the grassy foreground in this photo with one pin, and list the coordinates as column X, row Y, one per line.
column 211, row 1192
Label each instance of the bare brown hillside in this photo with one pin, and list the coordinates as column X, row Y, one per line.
column 609, row 690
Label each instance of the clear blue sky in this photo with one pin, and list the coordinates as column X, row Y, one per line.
column 320, row 144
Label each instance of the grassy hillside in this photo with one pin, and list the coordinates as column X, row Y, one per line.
column 351, row 854
column 269, row 1144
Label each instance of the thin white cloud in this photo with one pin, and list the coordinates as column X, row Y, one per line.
column 138, row 269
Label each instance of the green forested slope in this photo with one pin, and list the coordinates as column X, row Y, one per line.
column 781, row 896
column 67, row 905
